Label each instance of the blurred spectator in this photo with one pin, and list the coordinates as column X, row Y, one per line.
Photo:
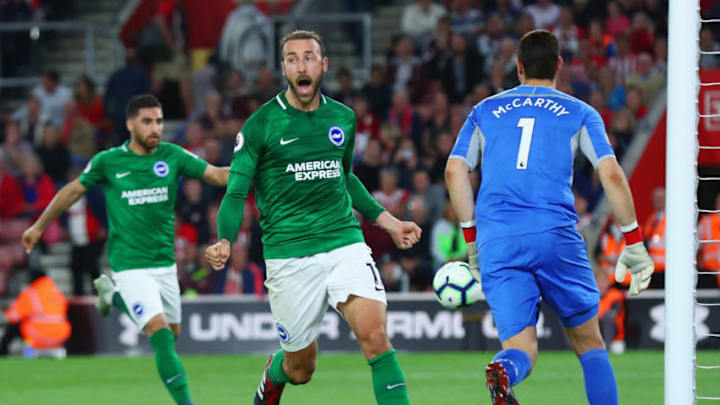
column 54, row 155
column 708, row 44
column 243, row 43
column 416, row 261
column 624, row 63
column 265, row 86
column 420, row 17
column 602, row 44
column 488, row 42
column 445, row 143
column 404, row 69
column 611, row 314
column 523, row 25
column 613, row 91
column 437, row 48
column 709, row 252
column 368, row 170
column 367, row 126
column 393, row 276
column 403, row 116
column 438, row 122
column 378, row 93
column 648, row 79
column 642, row 34
column 597, row 101
column 654, row 234
column 52, row 97
column 77, row 134
column 12, row 205
column 37, row 187
column 463, row 71
column 545, row 13
column 186, row 250
column 465, row 19
column 584, row 217
column 13, row 149
column 235, row 96
column 30, row 120
column 171, row 70
column 87, row 235
column 507, row 10
column 89, row 103
column 635, row 102
column 192, row 209
column 616, row 23
column 194, row 140
column 660, row 51
column 243, row 276
column 612, row 244
column 39, row 316
column 622, row 129
column 432, row 195
column 389, row 195
column 214, row 122
column 123, row 84
column 205, row 80
column 346, row 93
column 446, row 239
column 568, row 33
column 585, row 64
column 406, row 161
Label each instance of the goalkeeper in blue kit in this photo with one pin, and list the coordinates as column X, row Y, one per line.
column 521, row 233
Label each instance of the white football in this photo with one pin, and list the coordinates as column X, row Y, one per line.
column 455, row 287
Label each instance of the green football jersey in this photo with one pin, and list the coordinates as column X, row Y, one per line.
column 140, row 193
column 298, row 162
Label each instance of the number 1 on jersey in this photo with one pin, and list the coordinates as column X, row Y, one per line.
column 527, row 125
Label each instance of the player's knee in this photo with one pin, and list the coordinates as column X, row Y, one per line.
column 301, row 374
column 374, row 341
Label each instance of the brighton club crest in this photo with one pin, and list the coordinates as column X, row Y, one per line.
column 161, row 169
column 336, row 136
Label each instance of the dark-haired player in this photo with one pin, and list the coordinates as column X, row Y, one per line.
column 522, row 234
column 297, row 150
column 140, row 180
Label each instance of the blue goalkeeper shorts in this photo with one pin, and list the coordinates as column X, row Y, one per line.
column 517, row 271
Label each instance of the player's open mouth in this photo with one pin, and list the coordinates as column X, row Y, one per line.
column 304, row 86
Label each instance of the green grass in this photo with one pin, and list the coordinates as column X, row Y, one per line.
column 440, row 378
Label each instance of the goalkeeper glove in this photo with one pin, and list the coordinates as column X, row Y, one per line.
column 468, row 229
column 636, row 258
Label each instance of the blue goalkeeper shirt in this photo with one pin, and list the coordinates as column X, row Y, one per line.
column 525, row 140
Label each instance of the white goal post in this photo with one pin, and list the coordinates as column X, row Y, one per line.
column 681, row 196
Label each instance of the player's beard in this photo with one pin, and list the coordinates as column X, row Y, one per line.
column 305, row 98
column 149, row 142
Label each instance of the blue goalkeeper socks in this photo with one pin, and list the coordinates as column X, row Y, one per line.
column 517, row 364
column 600, row 385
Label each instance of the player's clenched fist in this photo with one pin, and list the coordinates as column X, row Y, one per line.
column 30, row 237
column 218, row 254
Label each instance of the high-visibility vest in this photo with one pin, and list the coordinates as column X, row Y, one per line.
column 710, row 229
column 41, row 310
column 613, row 296
column 654, row 233
column 611, row 251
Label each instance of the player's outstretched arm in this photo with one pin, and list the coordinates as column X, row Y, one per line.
column 634, row 257
column 59, row 204
column 217, row 176
column 404, row 233
column 457, row 178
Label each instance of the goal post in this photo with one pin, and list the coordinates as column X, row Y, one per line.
column 681, row 198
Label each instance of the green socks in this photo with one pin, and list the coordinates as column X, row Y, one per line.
column 276, row 373
column 388, row 380
column 118, row 303
column 169, row 366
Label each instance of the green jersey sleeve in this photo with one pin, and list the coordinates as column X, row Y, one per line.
column 247, row 150
column 94, row 172
column 362, row 201
column 190, row 163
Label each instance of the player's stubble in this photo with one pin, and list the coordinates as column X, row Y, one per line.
column 304, row 79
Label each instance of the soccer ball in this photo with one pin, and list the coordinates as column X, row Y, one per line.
column 455, row 287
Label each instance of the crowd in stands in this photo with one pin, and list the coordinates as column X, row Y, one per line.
column 449, row 56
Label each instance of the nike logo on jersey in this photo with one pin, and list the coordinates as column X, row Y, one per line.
column 121, row 175
column 173, row 378
column 284, row 142
column 393, row 386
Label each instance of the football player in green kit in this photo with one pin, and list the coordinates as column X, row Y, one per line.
column 140, row 181
column 297, row 150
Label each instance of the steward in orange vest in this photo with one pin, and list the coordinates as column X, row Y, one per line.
column 611, row 314
column 709, row 254
column 612, row 244
column 654, row 234
column 39, row 315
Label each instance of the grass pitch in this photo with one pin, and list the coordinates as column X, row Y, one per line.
column 340, row 379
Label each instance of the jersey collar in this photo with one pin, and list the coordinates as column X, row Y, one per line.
column 282, row 101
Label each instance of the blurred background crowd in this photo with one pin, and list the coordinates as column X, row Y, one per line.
column 443, row 58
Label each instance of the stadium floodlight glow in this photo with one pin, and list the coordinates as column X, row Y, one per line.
column 681, row 184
